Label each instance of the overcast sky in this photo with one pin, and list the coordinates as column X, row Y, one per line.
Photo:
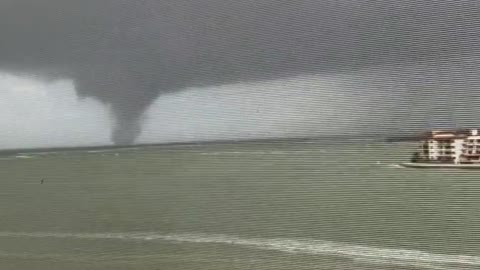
column 97, row 72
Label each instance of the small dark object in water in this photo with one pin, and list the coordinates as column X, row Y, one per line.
column 415, row 157
column 41, row 181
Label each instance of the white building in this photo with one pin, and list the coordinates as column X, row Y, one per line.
column 459, row 146
column 471, row 148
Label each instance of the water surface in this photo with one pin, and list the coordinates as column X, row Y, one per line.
column 283, row 205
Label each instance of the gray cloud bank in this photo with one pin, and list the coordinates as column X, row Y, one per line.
column 403, row 62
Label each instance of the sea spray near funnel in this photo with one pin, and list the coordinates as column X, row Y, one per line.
column 401, row 257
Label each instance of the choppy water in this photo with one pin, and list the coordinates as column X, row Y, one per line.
column 237, row 206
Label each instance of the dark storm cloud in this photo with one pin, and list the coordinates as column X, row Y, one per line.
column 126, row 53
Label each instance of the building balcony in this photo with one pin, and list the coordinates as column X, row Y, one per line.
column 471, row 155
column 471, row 143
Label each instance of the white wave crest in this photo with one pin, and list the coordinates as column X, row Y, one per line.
column 24, row 156
column 401, row 257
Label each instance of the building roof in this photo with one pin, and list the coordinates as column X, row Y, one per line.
column 447, row 134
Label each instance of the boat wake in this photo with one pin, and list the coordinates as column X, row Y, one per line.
column 391, row 165
column 396, row 166
column 365, row 254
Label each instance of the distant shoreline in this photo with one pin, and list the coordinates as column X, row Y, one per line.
column 345, row 138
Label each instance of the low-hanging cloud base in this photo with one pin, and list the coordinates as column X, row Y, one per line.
column 132, row 54
column 38, row 113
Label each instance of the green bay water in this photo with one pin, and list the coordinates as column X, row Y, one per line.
column 269, row 205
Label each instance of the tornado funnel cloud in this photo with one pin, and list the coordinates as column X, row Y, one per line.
column 126, row 93
column 125, row 131
column 127, row 124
